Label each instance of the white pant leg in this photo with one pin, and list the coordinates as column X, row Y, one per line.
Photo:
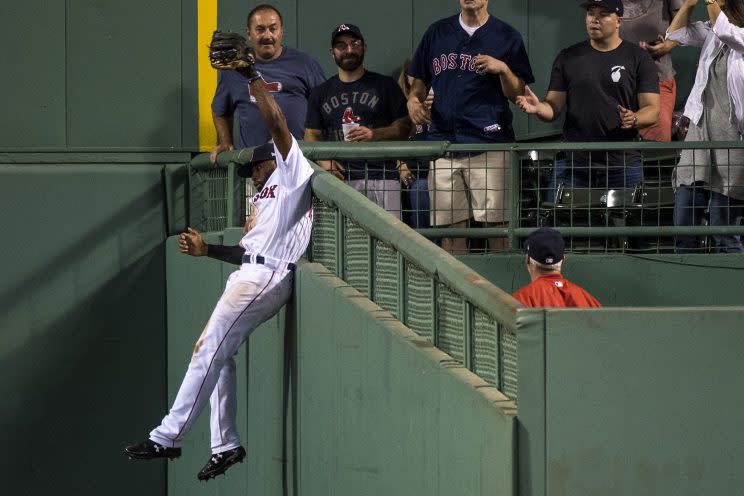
column 252, row 295
column 224, row 408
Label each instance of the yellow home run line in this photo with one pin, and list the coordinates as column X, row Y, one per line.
column 207, row 23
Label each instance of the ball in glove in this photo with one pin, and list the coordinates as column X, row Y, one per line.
column 230, row 51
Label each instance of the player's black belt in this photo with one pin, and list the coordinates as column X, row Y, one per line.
column 269, row 262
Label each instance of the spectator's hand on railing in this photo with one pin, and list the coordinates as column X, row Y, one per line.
column 219, row 149
column 359, row 133
column 418, row 112
column 192, row 243
column 528, row 102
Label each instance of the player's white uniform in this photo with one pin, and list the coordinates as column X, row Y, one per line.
column 253, row 294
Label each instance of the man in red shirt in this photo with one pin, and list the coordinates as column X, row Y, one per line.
column 548, row 288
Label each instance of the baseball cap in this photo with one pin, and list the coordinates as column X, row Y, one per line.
column 615, row 6
column 260, row 153
column 346, row 29
column 545, row 246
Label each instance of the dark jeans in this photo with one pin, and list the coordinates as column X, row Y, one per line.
column 418, row 196
column 594, row 175
column 690, row 203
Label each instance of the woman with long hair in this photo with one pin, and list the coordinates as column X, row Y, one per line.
column 712, row 178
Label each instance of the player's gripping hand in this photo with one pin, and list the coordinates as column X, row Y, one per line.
column 230, row 51
column 217, row 150
column 529, row 102
column 192, row 243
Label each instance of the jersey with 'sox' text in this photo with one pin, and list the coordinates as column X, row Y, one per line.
column 283, row 207
column 469, row 107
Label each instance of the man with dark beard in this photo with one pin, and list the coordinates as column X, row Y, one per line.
column 359, row 105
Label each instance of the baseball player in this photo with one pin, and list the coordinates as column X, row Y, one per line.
column 288, row 73
column 276, row 237
column 544, row 259
column 476, row 64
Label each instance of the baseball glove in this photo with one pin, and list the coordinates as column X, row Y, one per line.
column 230, row 51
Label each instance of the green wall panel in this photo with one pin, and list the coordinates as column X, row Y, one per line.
column 651, row 407
column 382, row 411
column 387, row 36
column 131, row 95
column 627, row 280
column 81, row 326
column 32, row 87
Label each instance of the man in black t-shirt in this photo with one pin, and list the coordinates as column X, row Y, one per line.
column 359, row 105
column 610, row 89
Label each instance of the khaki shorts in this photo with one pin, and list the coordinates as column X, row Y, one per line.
column 461, row 188
column 384, row 192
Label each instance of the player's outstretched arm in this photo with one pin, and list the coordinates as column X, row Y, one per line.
column 229, row 51
column 272, row 116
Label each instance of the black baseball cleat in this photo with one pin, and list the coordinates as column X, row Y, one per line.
column 220, row 462
column 147, row 450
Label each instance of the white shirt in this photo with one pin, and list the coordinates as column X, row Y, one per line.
column 283, row 210
column 712, row 40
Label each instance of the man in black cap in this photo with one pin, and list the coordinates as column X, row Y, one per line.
column 276, row 236
column 609, row 89
column 544, row 259
column 359, row 105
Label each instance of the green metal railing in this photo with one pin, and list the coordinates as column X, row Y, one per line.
column 525, row 208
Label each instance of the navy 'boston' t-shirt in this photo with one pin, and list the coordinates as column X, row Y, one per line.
column 290, row 78
column 373, row 101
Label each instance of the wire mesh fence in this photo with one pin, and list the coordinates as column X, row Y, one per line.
column 605, row 197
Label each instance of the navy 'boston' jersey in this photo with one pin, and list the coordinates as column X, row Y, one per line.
column 468, row 107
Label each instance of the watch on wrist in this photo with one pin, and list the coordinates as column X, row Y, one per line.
column 635, row 120
column 710, row 2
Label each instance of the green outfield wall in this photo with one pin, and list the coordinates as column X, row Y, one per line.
column 82, row 318
column 631, row 401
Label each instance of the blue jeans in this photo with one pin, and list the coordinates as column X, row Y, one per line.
column 690, row 203
column 594, row 175
column 418, row 195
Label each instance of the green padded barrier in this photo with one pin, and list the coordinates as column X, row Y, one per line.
column 381, row 411
column 324, row 238
column 420, row 300
column 486, row 347
column 633, row 401
column 385, row 278
column 450, row 312
column 82, row 313
column 357, row 250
